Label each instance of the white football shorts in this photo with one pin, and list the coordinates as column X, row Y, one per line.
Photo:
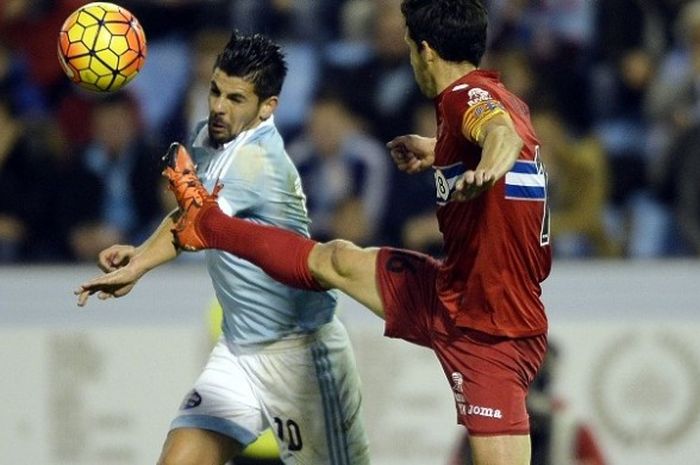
column 306, row 388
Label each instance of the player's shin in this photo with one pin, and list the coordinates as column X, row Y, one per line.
column 280, row 253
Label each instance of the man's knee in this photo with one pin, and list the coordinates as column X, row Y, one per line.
column 189, row 446
column 342, row 253
column 179, row 453
column 333, row 260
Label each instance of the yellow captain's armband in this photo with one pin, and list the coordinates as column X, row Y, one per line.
column 476, row 117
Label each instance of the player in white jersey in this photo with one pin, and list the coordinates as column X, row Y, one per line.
column 284, row 361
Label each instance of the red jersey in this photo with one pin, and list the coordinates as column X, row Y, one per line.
column 496, row 245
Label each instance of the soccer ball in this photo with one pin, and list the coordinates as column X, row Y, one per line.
column 101, row 46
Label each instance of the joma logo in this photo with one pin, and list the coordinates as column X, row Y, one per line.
column 484, row 411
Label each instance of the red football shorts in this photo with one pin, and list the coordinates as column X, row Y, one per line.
column 489, row 375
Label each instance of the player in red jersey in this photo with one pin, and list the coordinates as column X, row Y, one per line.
column 479, row 309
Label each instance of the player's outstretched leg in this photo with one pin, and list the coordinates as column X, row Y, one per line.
column 192, row 197
column 284, row 255
column 202, row 225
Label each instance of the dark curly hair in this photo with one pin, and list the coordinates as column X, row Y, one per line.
column 256, row 59
column 455, row 29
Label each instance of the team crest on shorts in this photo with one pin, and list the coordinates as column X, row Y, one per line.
column 457, row 381
column 457, row 385
column 192, row 400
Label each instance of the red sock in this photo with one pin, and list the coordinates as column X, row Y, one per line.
column 280, row 253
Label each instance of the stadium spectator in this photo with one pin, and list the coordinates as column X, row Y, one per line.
column 16, row 86
column 579, row 187
column 388, row 89
column 673, row 107
column 516, row 70
column 673, row 104
column 24, row 164
column 110, row 190
column 558, row 38
column 38, row 48
column 345, row 173
column 683, row 192
column 627, row 57
column 411, row 222
column 287, row 20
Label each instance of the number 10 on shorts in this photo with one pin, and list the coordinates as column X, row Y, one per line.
column 288, row 431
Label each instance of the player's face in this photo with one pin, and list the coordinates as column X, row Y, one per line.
column 234, row 107
column 420, row 68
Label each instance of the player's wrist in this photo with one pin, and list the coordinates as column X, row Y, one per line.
column 140, row 264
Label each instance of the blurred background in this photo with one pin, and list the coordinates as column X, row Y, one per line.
column 614, row 91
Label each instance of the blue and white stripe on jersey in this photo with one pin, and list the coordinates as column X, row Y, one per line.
column 526, row 181
column 445, row 179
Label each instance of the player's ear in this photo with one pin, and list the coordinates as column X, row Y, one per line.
column 267, row 107
column 428, row 53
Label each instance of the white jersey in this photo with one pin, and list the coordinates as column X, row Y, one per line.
column 261, row 185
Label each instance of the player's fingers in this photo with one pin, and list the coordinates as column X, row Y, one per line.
column 468, row 179
column 122, row 256
column 468, row 187
column 83, row 298
column 97, row 284
column 398, row 156
column 414, row 166
column 397, row 142
column 479, row 178
column 459, row 187
column 489, row 175
column 122, row 291
column 404, row 162
column 104, row 260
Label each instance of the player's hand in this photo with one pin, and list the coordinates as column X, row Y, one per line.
column 115, row 257
column 412, row 153
column 472, row 184
column 118, row 283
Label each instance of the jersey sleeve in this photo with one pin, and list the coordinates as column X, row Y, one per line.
column 469, row 109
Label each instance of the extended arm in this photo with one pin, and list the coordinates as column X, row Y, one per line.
column 501, row 146
column 127, row 265
column 158, row 248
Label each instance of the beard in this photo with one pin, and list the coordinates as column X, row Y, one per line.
column 219, row 132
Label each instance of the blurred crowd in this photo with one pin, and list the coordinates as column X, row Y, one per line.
column 613, row 87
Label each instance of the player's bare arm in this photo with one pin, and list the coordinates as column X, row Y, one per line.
column 412, row 153
column 501, row 146
column 126, row 264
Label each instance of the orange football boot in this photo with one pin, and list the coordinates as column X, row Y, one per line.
column 191, row 196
